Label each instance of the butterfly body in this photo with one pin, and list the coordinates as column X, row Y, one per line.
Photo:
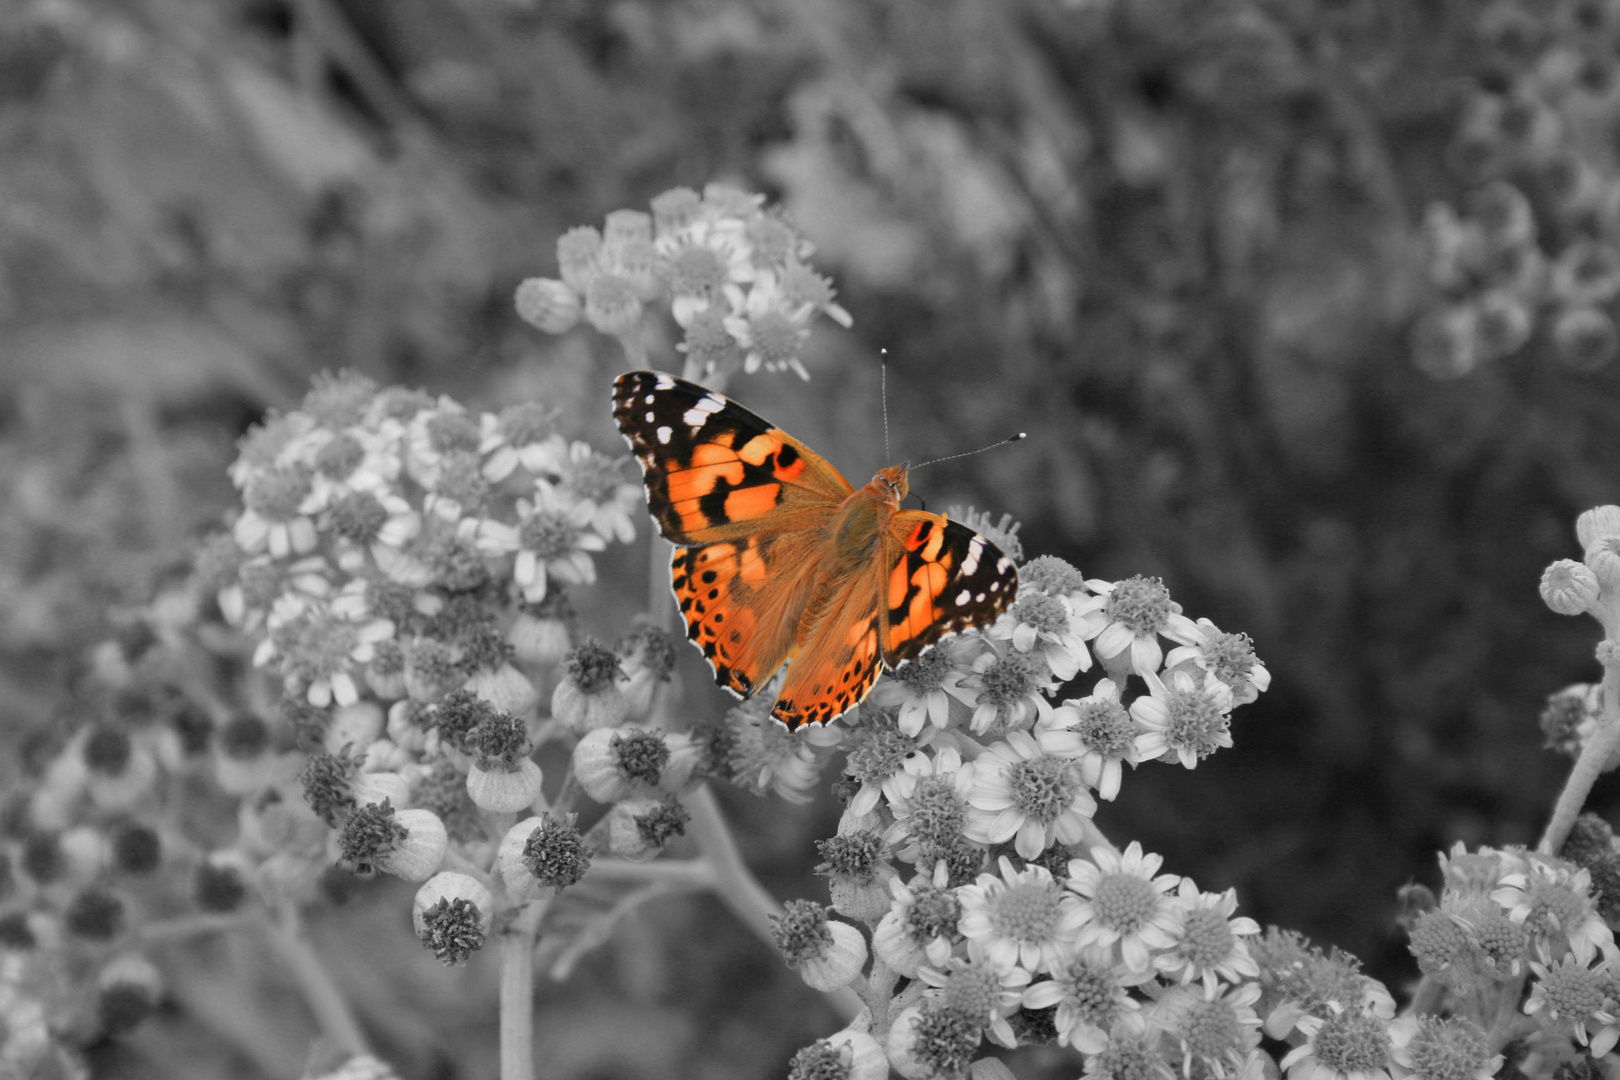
column 779, row 558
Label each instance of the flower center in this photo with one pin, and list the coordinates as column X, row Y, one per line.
column 934, row 810
column 1210, row 1030
column 548, row 535
column 1125, row 902
column 277, row 494
column 1196, row 721
column 772, row 241
column 596, row 478
column 1047, row 614
column 695, row 270
column 1106, row 727
column 525, row 424
column 1091, row 991
column 1231, row 658
column 1208, row 937
column 1141, row 603
column 1128, row 1059
column 1044, row 788
column 1012, row 677
column 1573, row 991
column 1352, row 1043
column 934, row 913
column 1452, row 1049
column 926, row 673
column 339, row 457
column 1027, row 911
column 775, row 337
column 879, row 756
column 449, row 431
column 1555, row 906
column 358, row 516
column 973, row 990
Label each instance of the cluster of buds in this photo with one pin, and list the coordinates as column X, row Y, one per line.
column 736, row 278
column 1535, row 252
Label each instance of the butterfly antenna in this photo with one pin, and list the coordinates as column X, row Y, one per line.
column 883, row 383
column 970, row 453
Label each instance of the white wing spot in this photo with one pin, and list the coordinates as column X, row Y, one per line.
column 975, row 548
column 979, row 598
column 1004, row 565
column 665, row 382
column 648, row 400
column 664, row 434
column 963, row 597
column 704, row 408
column 649, row 417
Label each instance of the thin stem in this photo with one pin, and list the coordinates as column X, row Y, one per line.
column 736, row 885
column 1595, row 758
column 517, row 994
column 326, row 1002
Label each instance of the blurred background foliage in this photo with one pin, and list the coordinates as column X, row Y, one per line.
column 1182, row 243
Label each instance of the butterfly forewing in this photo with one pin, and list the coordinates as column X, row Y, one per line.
column 714, row 469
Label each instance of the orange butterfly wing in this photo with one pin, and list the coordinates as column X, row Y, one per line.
column 780, row 558
column 748, row 505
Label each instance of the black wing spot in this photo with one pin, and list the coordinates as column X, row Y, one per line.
column 714, row 594
column 787, row 455
column 709, row 577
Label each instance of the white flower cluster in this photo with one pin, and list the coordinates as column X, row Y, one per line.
column 737, row 280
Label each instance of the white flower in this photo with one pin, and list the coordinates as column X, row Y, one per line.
column 1022, row 793
column 1124, row 900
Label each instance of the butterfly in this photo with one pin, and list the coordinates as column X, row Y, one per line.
column 778, row 558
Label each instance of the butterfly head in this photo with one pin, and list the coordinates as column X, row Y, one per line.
column 890, row 484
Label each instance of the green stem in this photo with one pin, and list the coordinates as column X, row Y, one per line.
column 517, row 994
column 326, row 1002
column 1595, row 758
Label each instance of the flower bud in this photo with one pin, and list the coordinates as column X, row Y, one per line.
column 638, row 829
column 548, row 305
column 1596, row 523
column 128, row 990
column 1569, row 587
column 504, row 687
column 504, row 790
column 590, row 694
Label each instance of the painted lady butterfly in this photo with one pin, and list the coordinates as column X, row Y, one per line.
column 780, row 558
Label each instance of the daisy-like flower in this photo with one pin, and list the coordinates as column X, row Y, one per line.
column 1216, row 1031
column 1208, row 939
column 279, row 503
column 1454, row 1048
column 1130, row 1057
column 885, row 763
column 922, row 689
column 364, row 520
column 1124, row 900
column 1091, row 989
column 1025, row 794
column 921, row 925
column 769, row 327
column 801, row 285
column 552, row 539
column 1099, row 731
column 698, row 263
column 521, row 437
column 1228, row 657
column 1349, row 1044
column 1006, row 690
column 1132, row 615
column 321, row 650
column 1048, row 624
column 1018, row 917
column 444, row 428
column 978, row 987
column 598, row 481
column 1185, row 721
column 1578, row 999
column 1555, row 904
column 930, row 817
column 763, row 755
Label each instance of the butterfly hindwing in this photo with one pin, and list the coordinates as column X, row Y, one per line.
column 714, row 470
